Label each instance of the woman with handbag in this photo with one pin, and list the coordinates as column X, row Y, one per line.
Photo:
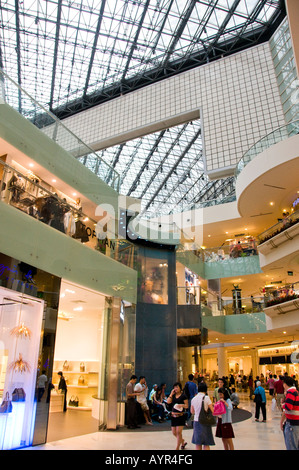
column 202, row 408
column 224, row 423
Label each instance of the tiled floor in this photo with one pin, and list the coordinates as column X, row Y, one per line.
column 249, row 435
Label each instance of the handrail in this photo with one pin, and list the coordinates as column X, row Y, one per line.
column 278, row 135
column 279, row 227
column 87, row 150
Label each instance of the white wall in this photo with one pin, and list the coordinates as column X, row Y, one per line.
column 237, row 96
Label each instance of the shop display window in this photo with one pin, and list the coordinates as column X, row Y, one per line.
column 79, row 347
column 20, row 327
column 27, row 192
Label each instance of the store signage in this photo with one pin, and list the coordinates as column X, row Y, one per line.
column 27, row 284
column 107, row 242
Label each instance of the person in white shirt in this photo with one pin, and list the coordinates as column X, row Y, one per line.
column 41, row 385
column 202, row 433
column 141, row 387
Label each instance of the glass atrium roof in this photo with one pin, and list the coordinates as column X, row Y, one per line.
column 70, row 55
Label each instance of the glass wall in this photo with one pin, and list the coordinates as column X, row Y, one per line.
column 285, row 69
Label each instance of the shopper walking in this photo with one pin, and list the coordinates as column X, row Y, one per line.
column 224, row 423
column 63, row 388
column 260, row 401
column 250, row 385
column 270, row 384
column 279, row 392
column 190, row 390
column 289, row 422
column 202, row 433
column 179, row 403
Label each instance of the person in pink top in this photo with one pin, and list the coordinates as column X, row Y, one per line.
column 270, row 384
column 279, row 392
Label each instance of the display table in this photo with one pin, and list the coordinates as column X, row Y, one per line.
column 56, row 402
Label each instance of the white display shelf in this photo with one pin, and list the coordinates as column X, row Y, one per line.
column 85, row 391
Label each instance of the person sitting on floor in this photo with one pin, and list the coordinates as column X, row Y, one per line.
column 235, row 398
column 158, row 405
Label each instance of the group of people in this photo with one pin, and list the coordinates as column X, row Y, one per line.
column 202, row 436
column 152, row 405
column 190, row 401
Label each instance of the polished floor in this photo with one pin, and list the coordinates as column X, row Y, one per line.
column 249, row 435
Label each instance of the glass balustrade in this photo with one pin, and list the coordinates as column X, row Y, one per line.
column 13, row 95
column 213, row 305
column 276, row 295
column 282, row 225
column 280, row 134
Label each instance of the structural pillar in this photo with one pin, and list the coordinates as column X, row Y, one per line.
column 222, row 361
column 112, row 375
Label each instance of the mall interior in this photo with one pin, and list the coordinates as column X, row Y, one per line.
column 159, row 139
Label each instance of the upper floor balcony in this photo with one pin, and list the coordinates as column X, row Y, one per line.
column 279, row 243
column 52, row 232
column 228, row 260
column 282, row 306
column 266, row 176
column 201, row 308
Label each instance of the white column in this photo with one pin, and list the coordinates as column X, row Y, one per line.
column 222, row 361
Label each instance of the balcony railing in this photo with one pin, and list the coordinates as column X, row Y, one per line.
column 12, row 94
column 280, row 134
column 213, row 305
column 282, row 294
column 281, row 226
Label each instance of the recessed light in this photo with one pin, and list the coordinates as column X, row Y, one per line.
column 74, row 194
column 53, row 181
column 271, row 203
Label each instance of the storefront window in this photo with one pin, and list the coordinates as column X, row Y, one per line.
column 20, row 327
column 78, row 347
column 28, row 314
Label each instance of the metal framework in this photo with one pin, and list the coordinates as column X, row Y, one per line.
column 72, row 55
column 165, row 170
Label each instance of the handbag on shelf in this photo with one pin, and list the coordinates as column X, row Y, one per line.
column 65, row 366
column 74, row 401
column 6, row 405
column 82, row 367
column 219, row 408
column 206, row 417
column 81, row 380
column 18, row 395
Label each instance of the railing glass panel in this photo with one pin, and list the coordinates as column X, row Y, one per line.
column 280, row 134
column 13, row 95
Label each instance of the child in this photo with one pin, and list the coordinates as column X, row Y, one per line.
column 224, row 423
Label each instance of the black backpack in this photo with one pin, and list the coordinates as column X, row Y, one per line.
column 186, row 390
